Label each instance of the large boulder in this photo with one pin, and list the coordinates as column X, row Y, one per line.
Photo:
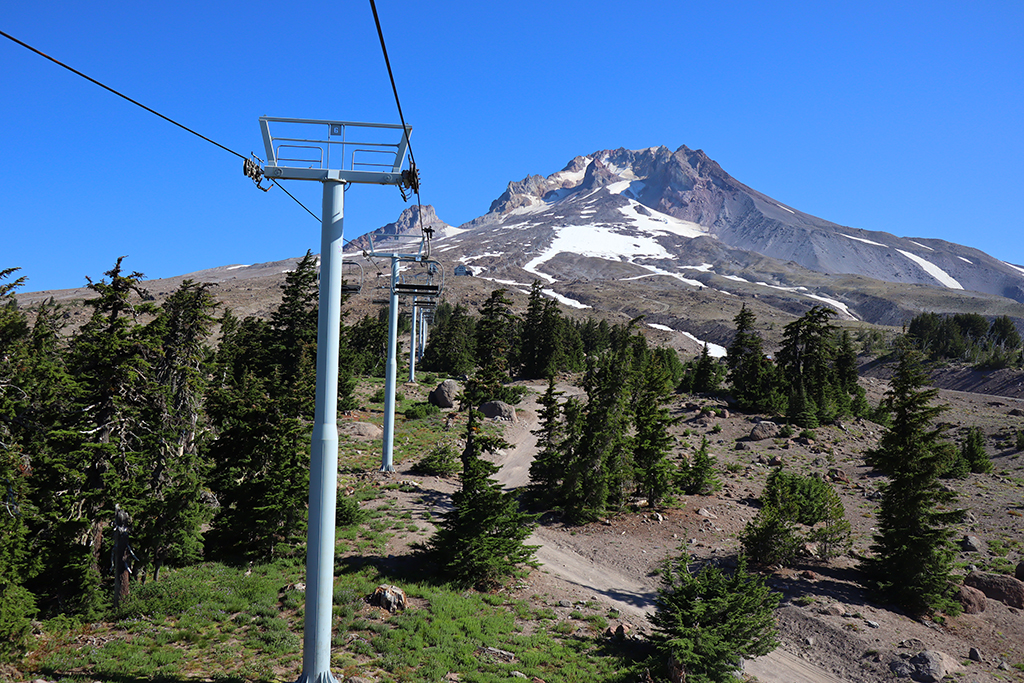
column 764, row 430
column 1019, row 572
column 499, row 410
column 971, row 599
column 443, row 396
column 1001, row 587
column 361, row 431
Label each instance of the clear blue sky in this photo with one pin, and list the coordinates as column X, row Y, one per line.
column 903, row 117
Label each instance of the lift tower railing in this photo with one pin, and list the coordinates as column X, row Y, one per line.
column 334, row 153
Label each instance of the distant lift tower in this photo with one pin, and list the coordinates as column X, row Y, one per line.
column 400, row 248
column 424, row 286
column 334, row 153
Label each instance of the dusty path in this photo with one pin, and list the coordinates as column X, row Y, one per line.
column 597, row 575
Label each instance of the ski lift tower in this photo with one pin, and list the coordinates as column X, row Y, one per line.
column 335, row 153
column 399, row 248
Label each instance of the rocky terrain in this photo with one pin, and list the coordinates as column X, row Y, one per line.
column 831, row 627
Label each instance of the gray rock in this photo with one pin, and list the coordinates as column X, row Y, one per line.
column 929, row 667
column 764, row 430
column 974, row 655
column 498, row 410
column 443, row 396
column 971, row 544
column 1019, row 571
column 391, row 598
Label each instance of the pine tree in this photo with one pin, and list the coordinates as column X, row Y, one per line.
column 913, row 554
column 652, row 442
column 98, row 456
column 699, row 478
column 169, row 526
column 17, row 604
column 481, row 539
column 708, row 621
column 548, row 467
column 451, row 348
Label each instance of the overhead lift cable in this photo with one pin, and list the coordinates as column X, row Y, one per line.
column 410, row 177
column 251, row 167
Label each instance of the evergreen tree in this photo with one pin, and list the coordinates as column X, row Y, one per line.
column 97, row 457
column 913, row 554
column 707, row 621
column 547, row 468
column 698, row 478
column 973, row 452
column 451, row 348
column 262, row 410
column 751, row 374
column 481, row 539
column 706, row 374
column 806, row 359
column 174, row 513
column 652, row 442
column 17, row 604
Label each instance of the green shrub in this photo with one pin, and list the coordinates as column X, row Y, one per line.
column 418, row 411
column 347, row 512
column 17, row 607
column 442, row 461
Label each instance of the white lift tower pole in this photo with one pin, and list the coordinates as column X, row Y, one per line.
column 323, row 151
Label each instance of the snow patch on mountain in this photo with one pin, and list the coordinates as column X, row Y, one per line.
column 1017, row 268
column 861, row 239
column 660, row 222
column 920, row 245
column 939, row 274
column 714, row 350
column 572, row 303
column 597, row 241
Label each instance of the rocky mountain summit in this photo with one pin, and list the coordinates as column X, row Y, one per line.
column 679, row 220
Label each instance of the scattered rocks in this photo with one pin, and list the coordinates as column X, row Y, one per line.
column 496, row 653
column 1006, row 589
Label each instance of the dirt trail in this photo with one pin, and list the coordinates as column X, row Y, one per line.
column 597, row 574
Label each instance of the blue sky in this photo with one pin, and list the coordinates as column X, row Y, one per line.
column 901, row 117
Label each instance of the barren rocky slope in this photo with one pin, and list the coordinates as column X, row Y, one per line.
column 831, row 628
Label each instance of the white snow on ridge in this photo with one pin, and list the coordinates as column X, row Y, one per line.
column 844, row 312
column 963, row 259
column 785, row 209
column 920, row 245
column 661, row 222
column 861, row 239
column 714, row 350
column 480, row 256
column 939, row 274
column 236, row 267
column 702, row 268
column 1017, row 268
column 597, row 241
column 572, row 303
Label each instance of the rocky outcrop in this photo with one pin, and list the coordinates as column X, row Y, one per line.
column 1006, row 589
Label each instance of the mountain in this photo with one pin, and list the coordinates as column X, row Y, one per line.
column 618, row 216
